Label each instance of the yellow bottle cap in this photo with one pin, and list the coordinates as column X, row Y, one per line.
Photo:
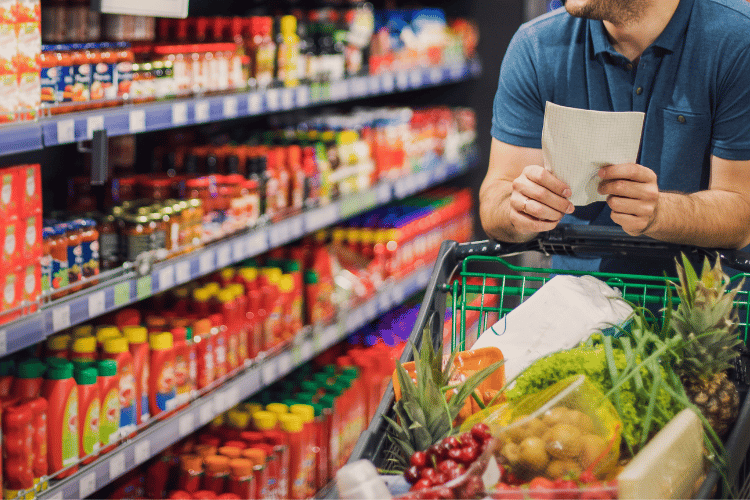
column 249, row 273
column 116, row 346
column 201, row 295
column 218, row 421
column 347, row 137
column 225, row 296
column 135, row 334
column 321, row 236
column 227, row 273
column 106, row 333
column 288, row 25
column 238, row 419
column 252, row 408
column 237, row 289
column 161, row 341
column 264, row 420
column 290, row 423
column 84, row 345
column 286, row 284
column 181, row 293
column 273, row 274
column 353, row 235
column 83, row 331
column 304, row 412
column 58, row 342
column 338, row 235
column 212, row 288
column 277, row 408
column 366, row 236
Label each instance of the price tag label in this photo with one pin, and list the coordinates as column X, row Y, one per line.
column 61, row 318
column 436, row 75
column 254, row 104
column 353, row 321
column 321, row 217
column 384, row 302
column 371, row 309
column 296, row 354
column 423, row 179
column 307, row 351
column 142, row 451
column 373, row 85
column 220, row 401
column 233, row 396
column 96, row 304
column 206, row 262
column 87, row 485
column 238, row 249
column 280, row 234
column 398, row 293
column 230, row 107
column 402, row 80
column 287, row 98
column 359, row 87
column 182, row 271
column 223, row 256
column 441, row 172
column 58, row 495
column 387, row 82
column 122, row 294
column 456, row 72
column 303, row 96
column 330, row 336
column 166, row 278
column 66, row 131
column 94, row 123
column 383, row 193
column 186, row 424
column 116, row 466
column 3, row 341
column 415, row 78
column 143, row 287
column 206, row 412
column 268, row 371
column 257, row 243
column 137, row 121
column 202, row 111
column 272, row 99
column 179, row 113
column 339, row 91
column 284, row 363
column 296, row 226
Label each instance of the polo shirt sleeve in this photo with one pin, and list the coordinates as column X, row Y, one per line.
column 731, row 127
column 518, row 110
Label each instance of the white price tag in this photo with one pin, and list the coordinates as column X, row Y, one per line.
column 254, row 103
column 238, row 249
column 388, row 82
column 220, row 401
column 3, row 341
column 223, row 256
column 360, row 86
column 373, row 85
column 206, row 412
column 272, row 99
column 166, row 278
column 415, row 78
column 96, row 304
column 268, row 371
column 202, row 111
column 179, row 113
column 233, row 396
column 87, row 485
column 303, row 96
column 142, row 451
column 307, row 350
column 322, row 217
column 398, row 293
column 441, row 172
column 456, row 72
column 116, row 466
column 383, row 192
column 384, row 302
column 66, row 131
column 230, row 107
column 182, row 271
column 186, row 424
column 285, row 363
column 61, row 318
column 94, row 123
column 402, row 79
column 296, row 226
column 342, row 91
column 371, row 309
column 330, row 335
column 58, row 495
column 436, row 75
column 257, row 243
column 287, row 99
column 206, row 262
column 423, row 179
column 137, row 121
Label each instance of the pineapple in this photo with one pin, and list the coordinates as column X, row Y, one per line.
column 706, row 321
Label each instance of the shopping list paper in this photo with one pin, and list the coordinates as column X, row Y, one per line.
column 576, row 143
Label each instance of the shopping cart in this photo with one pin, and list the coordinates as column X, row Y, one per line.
column 464, row 271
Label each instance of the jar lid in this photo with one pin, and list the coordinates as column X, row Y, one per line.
column 216, row 463
column 255, row 455
column 241, row 467
column 191, row 462
column 229, row 451
column 84, row 345
column 290, row 423
column 305, row 412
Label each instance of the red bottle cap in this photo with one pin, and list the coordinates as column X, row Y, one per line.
column 180, row 495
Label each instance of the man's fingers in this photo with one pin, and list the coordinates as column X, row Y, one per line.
column 627, row 171
column 543, row 177
column 531, row 190
column 630, row 206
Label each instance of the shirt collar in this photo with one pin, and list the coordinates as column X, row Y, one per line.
column 668, row 40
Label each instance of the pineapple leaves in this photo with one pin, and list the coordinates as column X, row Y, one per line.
column 468, row 387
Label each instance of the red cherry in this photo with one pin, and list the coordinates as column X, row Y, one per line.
column 566, row 489
column 470, row 453
column 418, row 459
column 435, row 452
column 481, row 432
column 428, row 474
column 587, row 477
column 455, row 472
column 452, row 442
column 455, row 454
column 422, row 484
column 412, row 474
column 467, row 439
column 446, row 465
column 444, row 493
column 441, row 478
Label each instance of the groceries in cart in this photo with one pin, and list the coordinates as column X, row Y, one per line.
column 641, row 387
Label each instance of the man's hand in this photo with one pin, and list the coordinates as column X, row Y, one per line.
column 538, row 200
column 632, row 194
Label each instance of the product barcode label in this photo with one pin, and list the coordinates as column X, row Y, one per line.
column 94, row 123
column 186, row 424
column 142, row 451
column 116, row 466
column 223, row 256
column 137, row 121
column 306, row 350
column 233, row 396
column 457, row 72
column 206, row 412
column 254, row 103
column 166, row 278
column 230, row 107
column 179, row 113
column 220, row 401
column 206, row 262
column 182, row 271
column 384, row 302
column 330, row 335
column 296, row 226
column 61, row 318
column 202, row 111
column 87, row 485
column 96, row 304
column 321, row 217
column 285, row 363
column 66, row 131
column 143, row 287
column 402, row 80
column 373, row 85
column 122, row 293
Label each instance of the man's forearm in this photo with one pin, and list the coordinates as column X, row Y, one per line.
column 494, row 209
column 711, row 219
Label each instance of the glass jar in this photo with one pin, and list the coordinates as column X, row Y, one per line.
column 158, row 189
column 138, row 232
column 108, row 243
column 159, row 224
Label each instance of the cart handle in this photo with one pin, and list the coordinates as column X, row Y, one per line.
column 578, row 240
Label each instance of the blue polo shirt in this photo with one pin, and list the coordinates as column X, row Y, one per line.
column 693, row 84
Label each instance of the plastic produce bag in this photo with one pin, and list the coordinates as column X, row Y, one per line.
column 563, row 430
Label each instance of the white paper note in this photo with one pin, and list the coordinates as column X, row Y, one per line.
column 576, row 143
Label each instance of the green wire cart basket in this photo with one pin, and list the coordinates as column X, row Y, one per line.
column 476, row 279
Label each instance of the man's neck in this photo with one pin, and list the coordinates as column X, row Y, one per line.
column 633, row 38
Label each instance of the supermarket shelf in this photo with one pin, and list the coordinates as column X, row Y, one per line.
column 255, row 377
column 133, row 285
column 131, row 119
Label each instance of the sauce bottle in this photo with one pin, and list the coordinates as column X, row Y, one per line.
column 117, row 350
column 262, row 51
column 266, row 422
column 18, row 473
column 46, row 263
column 229, row 313
column 29, row 379
column 242, row 324
column 103, row 334
column 260, row 471
column 89, row 406
column 39, row 424
column 57, row 346
column 75, row 253
column 59, row 251
column 291, row 425
column 306, row 413
column 7, row 371
column 183, row 386
column 216, row 473
column 89, row 248
column 162, row 382
column 83, row 349
column 61, row 392
column 242, row 478
column 204, row 352
column 139, row 349
column 191, row 473
column 201, row 302
column 219, row 337
column 288, row 53
column 109, row 394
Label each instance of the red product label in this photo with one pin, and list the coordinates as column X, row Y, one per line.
column 31, row 280
column 10, row 190
column 30, row 180
column 32, row 238
column 10, row 288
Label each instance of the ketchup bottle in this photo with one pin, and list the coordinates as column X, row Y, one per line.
column 191, row 472
column 260, row 471
column 266, row 422
column 162, row 382
column 28, row 382
column 242, row 478
column 216, row 473
column 228, row 309
column 17, row 450
column 89, row 406
column 306, row 413
column 204, row 352
column 61, row 393
column 83, row 349
column 57, row 346
column 117, row 350
column 219, row 336
column 138, row 345
column 7, row 369
column 292, row 427
column 39, row 408
column 109, row 394
column 181, row 366
column 201, row 302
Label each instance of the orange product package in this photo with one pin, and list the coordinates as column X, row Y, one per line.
column 8, row 79
column 465, row 364
column 10, row 190
column 30, row 189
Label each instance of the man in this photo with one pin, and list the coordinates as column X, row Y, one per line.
column 686, row 64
